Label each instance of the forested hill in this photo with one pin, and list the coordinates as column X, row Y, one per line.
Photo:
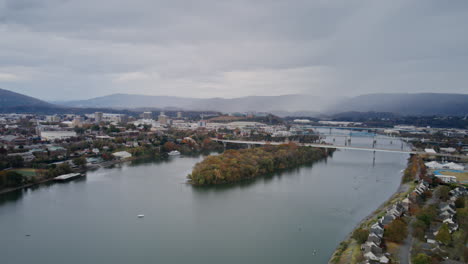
column 236, row 165
column 12, row 99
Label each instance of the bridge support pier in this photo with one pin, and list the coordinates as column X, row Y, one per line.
column 373, row 160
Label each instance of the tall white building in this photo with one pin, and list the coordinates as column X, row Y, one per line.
column 77, row 122
column 123, row 118
column 52, row 118
column 98, row 117
column 147, row 115
column 162, row 118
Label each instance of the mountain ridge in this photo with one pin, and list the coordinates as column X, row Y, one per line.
column 406, row 104
column 12, row 99
column 302, row 104
column 283, row 103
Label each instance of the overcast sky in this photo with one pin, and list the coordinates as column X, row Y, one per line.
column 77, row 49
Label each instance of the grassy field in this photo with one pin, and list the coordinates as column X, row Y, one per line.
column 28, row 172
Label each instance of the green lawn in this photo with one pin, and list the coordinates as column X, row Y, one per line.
column 28, row 172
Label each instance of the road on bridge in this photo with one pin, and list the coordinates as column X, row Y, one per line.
column 337, row 147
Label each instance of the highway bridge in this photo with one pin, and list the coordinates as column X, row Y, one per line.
column 250, row 143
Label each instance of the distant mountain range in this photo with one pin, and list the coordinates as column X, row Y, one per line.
column 12, row 99
column 301, row 104
column 406, row 104
column 292, row 105
column 285, row 103
column 11, row 102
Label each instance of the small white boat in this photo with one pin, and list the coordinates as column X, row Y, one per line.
column 141, row 216
column 174, row 153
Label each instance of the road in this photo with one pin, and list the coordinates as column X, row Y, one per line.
column 337, row 147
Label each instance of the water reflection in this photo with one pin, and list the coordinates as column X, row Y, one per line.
column 274, row 219
column 291, row 172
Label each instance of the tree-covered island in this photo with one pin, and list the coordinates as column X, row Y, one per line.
column 236, row 165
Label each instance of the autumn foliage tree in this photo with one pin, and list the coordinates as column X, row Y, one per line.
column 236, row 165
column 444, row 235
column 169, row 146
column 360, row 235
column 411, row 172
column 421, row 258
column 443, row 193
column 396, row 231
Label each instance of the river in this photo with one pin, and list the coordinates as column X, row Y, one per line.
column 297, row 216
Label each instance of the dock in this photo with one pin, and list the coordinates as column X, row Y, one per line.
column 67, row 177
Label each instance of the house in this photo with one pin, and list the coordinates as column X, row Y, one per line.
column 371, row 247
column 458, row 192
column 379, row 257
column 448, row 150
column 421, row 188
column 428, row 248
column 366, row 247
column 57, row 151
column 39, row 153
column 447, row 207
column 374, row 238
column 396, row 210
column 430, row 238
column 445, row 214
column 452, row 227
column 26, row 156
column 13, row 140
column 387, row 219
column 406, row 203
column 377, row 232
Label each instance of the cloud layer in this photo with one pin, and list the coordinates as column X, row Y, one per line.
column 77, row 49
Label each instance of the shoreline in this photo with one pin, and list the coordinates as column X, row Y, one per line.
column 216, row 176
column 85, row 170
column 92, row 167
column 404, row 187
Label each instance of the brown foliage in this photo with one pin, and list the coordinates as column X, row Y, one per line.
column 396, row 231
column 236, row 165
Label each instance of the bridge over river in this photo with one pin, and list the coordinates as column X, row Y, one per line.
column 225, row 141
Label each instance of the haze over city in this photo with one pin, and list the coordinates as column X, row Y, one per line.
column 63, row 50
column 253, row 132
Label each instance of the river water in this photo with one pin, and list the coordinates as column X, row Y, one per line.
column 297, row 216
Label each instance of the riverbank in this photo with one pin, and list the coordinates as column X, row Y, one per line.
column 283, row 212
column 349, row 250
column 105, row 164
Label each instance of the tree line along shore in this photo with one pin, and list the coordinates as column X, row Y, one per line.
column 424, row 222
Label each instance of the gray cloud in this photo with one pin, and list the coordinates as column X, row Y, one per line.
column 62, row 49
